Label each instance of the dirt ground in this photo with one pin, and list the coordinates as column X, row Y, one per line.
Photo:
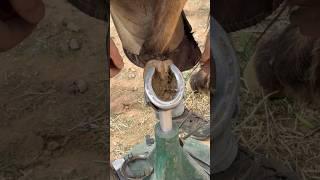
column 52, row 100
column 131, row 120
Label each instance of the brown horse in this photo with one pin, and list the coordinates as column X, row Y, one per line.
column 155, row 29
column 286, row 61
column 159, row 30
column 152, row 30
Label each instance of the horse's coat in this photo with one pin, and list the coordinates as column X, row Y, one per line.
column 288, row 62
column 155, row 24
column 155, row 30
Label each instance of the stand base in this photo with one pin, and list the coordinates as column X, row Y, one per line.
column 166, row 159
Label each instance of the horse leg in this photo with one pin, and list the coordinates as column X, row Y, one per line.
column 284, row 62
column 155, row 29
column 259, row 73
column 200, row 80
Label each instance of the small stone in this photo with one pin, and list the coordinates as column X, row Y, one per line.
column 126, row 107
column 74, row 44
column 77, row 86
column 53, row 145
column 73, row 27
column 93, row 126
column 132, row 70
column 82, row 85
column 69, row 172
column 131, row 76
column 134, row 89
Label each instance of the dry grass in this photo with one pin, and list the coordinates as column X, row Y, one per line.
column 283, row 129
column 196, row 102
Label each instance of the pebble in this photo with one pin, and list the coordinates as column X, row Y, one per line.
column 53, row 145
column 134, row 89
column 77, row 86
column 93, row 126
column 74, row 44
column 69, row 172
column 131, row 76
column 126, row 107
column 132, row 70
column 82, row 85
column 73, row 27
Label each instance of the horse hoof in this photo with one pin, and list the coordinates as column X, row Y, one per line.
column 199, row 81
column 253, row 85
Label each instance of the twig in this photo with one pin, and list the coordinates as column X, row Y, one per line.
column 29, row 94
column 256, row 108
column 94, row 119
column 312, row 132
column 101, row 162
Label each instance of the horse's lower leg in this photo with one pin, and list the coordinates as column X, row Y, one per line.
column 200, row 80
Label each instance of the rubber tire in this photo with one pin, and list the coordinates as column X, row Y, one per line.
column 225, row 97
